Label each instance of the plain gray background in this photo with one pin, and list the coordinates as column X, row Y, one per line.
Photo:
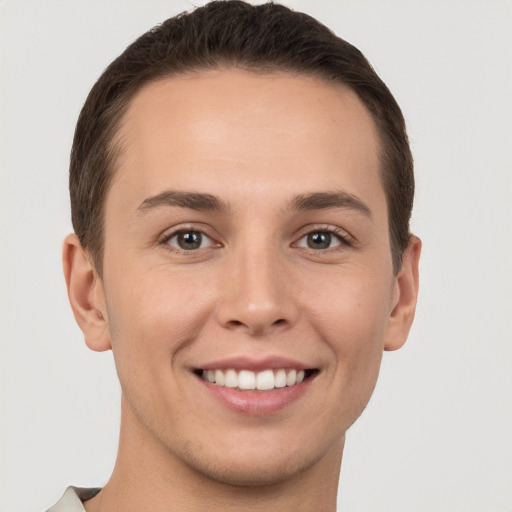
column 437, row 435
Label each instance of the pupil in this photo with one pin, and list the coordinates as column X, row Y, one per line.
column 319, row 240
column 189, row 240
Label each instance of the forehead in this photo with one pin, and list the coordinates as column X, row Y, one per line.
column 207, row 130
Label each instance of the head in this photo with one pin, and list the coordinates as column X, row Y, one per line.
column 241, row 186
column 260, row 39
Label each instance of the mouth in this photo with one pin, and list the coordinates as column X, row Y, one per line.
column 248, row 380
column 256, row 386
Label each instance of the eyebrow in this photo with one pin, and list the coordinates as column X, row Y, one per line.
column 193, row 200
column 324, row 200
column 209, row 202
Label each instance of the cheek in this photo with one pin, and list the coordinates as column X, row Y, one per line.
column 351, row 317
column 351, row 312
column 347, row 313
column 153, row 316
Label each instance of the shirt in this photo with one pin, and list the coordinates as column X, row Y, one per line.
column 73, row 498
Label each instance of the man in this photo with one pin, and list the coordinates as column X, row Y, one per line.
column 241, row 188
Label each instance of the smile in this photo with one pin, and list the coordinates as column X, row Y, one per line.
column 264, row 380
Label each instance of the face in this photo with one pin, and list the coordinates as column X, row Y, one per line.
column 246, row 246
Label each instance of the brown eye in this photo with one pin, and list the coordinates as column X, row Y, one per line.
column 189, row 240
column 319, row 240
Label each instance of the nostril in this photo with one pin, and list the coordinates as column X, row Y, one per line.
column 256, row 327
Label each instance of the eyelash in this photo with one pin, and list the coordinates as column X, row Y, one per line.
column 184, row 230
column 345, row 240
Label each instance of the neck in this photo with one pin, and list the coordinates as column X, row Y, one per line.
column 146, row 473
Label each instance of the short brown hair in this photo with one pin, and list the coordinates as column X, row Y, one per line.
column 262, row 38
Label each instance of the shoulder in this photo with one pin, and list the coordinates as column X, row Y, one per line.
column 72, row 500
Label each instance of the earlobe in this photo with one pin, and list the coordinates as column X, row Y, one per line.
column 86, row 295
column 405, row 296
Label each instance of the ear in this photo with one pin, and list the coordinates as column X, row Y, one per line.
column 405, row 295
column 86, row 294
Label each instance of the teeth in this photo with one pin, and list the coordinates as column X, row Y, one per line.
column 265, row 380
column 246, row 379
column 280, row 379
column 291, row 378
column 231, row 379
column 219, row 377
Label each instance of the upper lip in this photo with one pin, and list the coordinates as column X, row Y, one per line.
column 255, row 364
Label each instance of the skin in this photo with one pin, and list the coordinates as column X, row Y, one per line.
column 255, row 287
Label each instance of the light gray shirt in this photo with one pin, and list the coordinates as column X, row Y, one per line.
column 72, row 500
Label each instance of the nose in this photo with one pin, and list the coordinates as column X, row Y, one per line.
column 257, row 293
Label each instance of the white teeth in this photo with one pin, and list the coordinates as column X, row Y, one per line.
column 219, row 377
column 246, row 379
column 265, row 380
column 231, row 379
column 280, row 379
column 291, row 378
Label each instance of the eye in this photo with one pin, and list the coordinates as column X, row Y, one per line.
column 189, row 240
column 320, row 240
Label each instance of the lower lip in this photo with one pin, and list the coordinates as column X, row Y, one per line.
column 256, row 403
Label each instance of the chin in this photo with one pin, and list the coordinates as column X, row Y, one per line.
column 247, row 472
column 259, row 464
